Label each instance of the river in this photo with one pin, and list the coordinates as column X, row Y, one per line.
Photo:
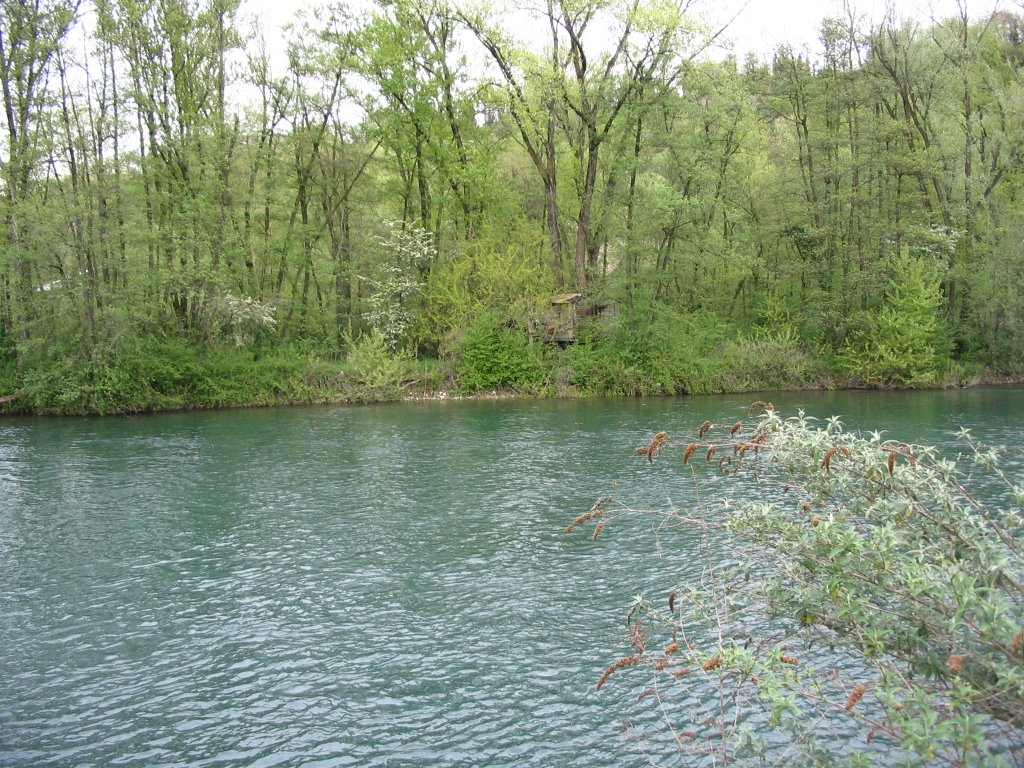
column 354, row 586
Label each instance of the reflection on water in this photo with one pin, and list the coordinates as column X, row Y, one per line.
column 350, row 586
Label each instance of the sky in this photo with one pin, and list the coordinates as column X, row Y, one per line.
column 758, row 26
column 762, row 25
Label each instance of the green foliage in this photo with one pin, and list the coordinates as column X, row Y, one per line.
column 373, row 370
column 165, row 374
column 495, row 356
column 8, row 375
column 869, row 611
column 995, row 334
column 618, row 365
column 769, row 360
column 501, row 271
column 757, row 199
column 904, row 342
column 690, row 354
column 674, row 355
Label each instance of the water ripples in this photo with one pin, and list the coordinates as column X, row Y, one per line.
column 327, row 587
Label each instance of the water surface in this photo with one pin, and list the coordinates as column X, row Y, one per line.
column 365, row 586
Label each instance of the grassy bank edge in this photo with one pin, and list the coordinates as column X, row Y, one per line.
column 179, row 380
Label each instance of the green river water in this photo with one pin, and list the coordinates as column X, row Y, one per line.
column 354, row 586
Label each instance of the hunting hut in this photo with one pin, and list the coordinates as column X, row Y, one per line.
column 560, row 324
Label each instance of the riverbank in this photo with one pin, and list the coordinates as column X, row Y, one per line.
column 171, row 378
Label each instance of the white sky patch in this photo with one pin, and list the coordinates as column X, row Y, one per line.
column 759, row 27
column 762, row 25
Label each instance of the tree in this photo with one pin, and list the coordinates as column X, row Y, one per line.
column 532, row 111
column 175, row 52
column 596, row 88
column 407, row 52
column 31, row 34
column 688, row 227
column 905, row 342
column 731, row 217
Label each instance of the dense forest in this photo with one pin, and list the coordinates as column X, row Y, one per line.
column 415, row 200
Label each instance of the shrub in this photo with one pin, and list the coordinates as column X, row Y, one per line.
column 8, row 381
column 501, row 271
column 619, row 364
column 398, row 284
column 241, row 319
column 875, row 613
column 905, row 341
column 689, row 354
column 495, row 356
column 67, row 382
column 374, row 371
column 769, row 360
column 162, row 374
column 675, row 354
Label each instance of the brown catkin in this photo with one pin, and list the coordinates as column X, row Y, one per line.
column 1017, row 640
column 703, row 429
column 826, row 462
column 855, row 695
column 955, row 661
column 583, row 518
column 788, row 659
column 689, row 452
column 671, row 648
column 653, row 448
column 597, row 530
column 625, row 661
column 713, row 663
column 736, row 427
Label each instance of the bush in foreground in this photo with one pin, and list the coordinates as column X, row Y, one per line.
column 873, row 612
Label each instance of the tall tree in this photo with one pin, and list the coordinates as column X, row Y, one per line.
column 31, row 34
column 596, row 81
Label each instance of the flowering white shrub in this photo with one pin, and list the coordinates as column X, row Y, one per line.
column 400, row 280
column 243, row 318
